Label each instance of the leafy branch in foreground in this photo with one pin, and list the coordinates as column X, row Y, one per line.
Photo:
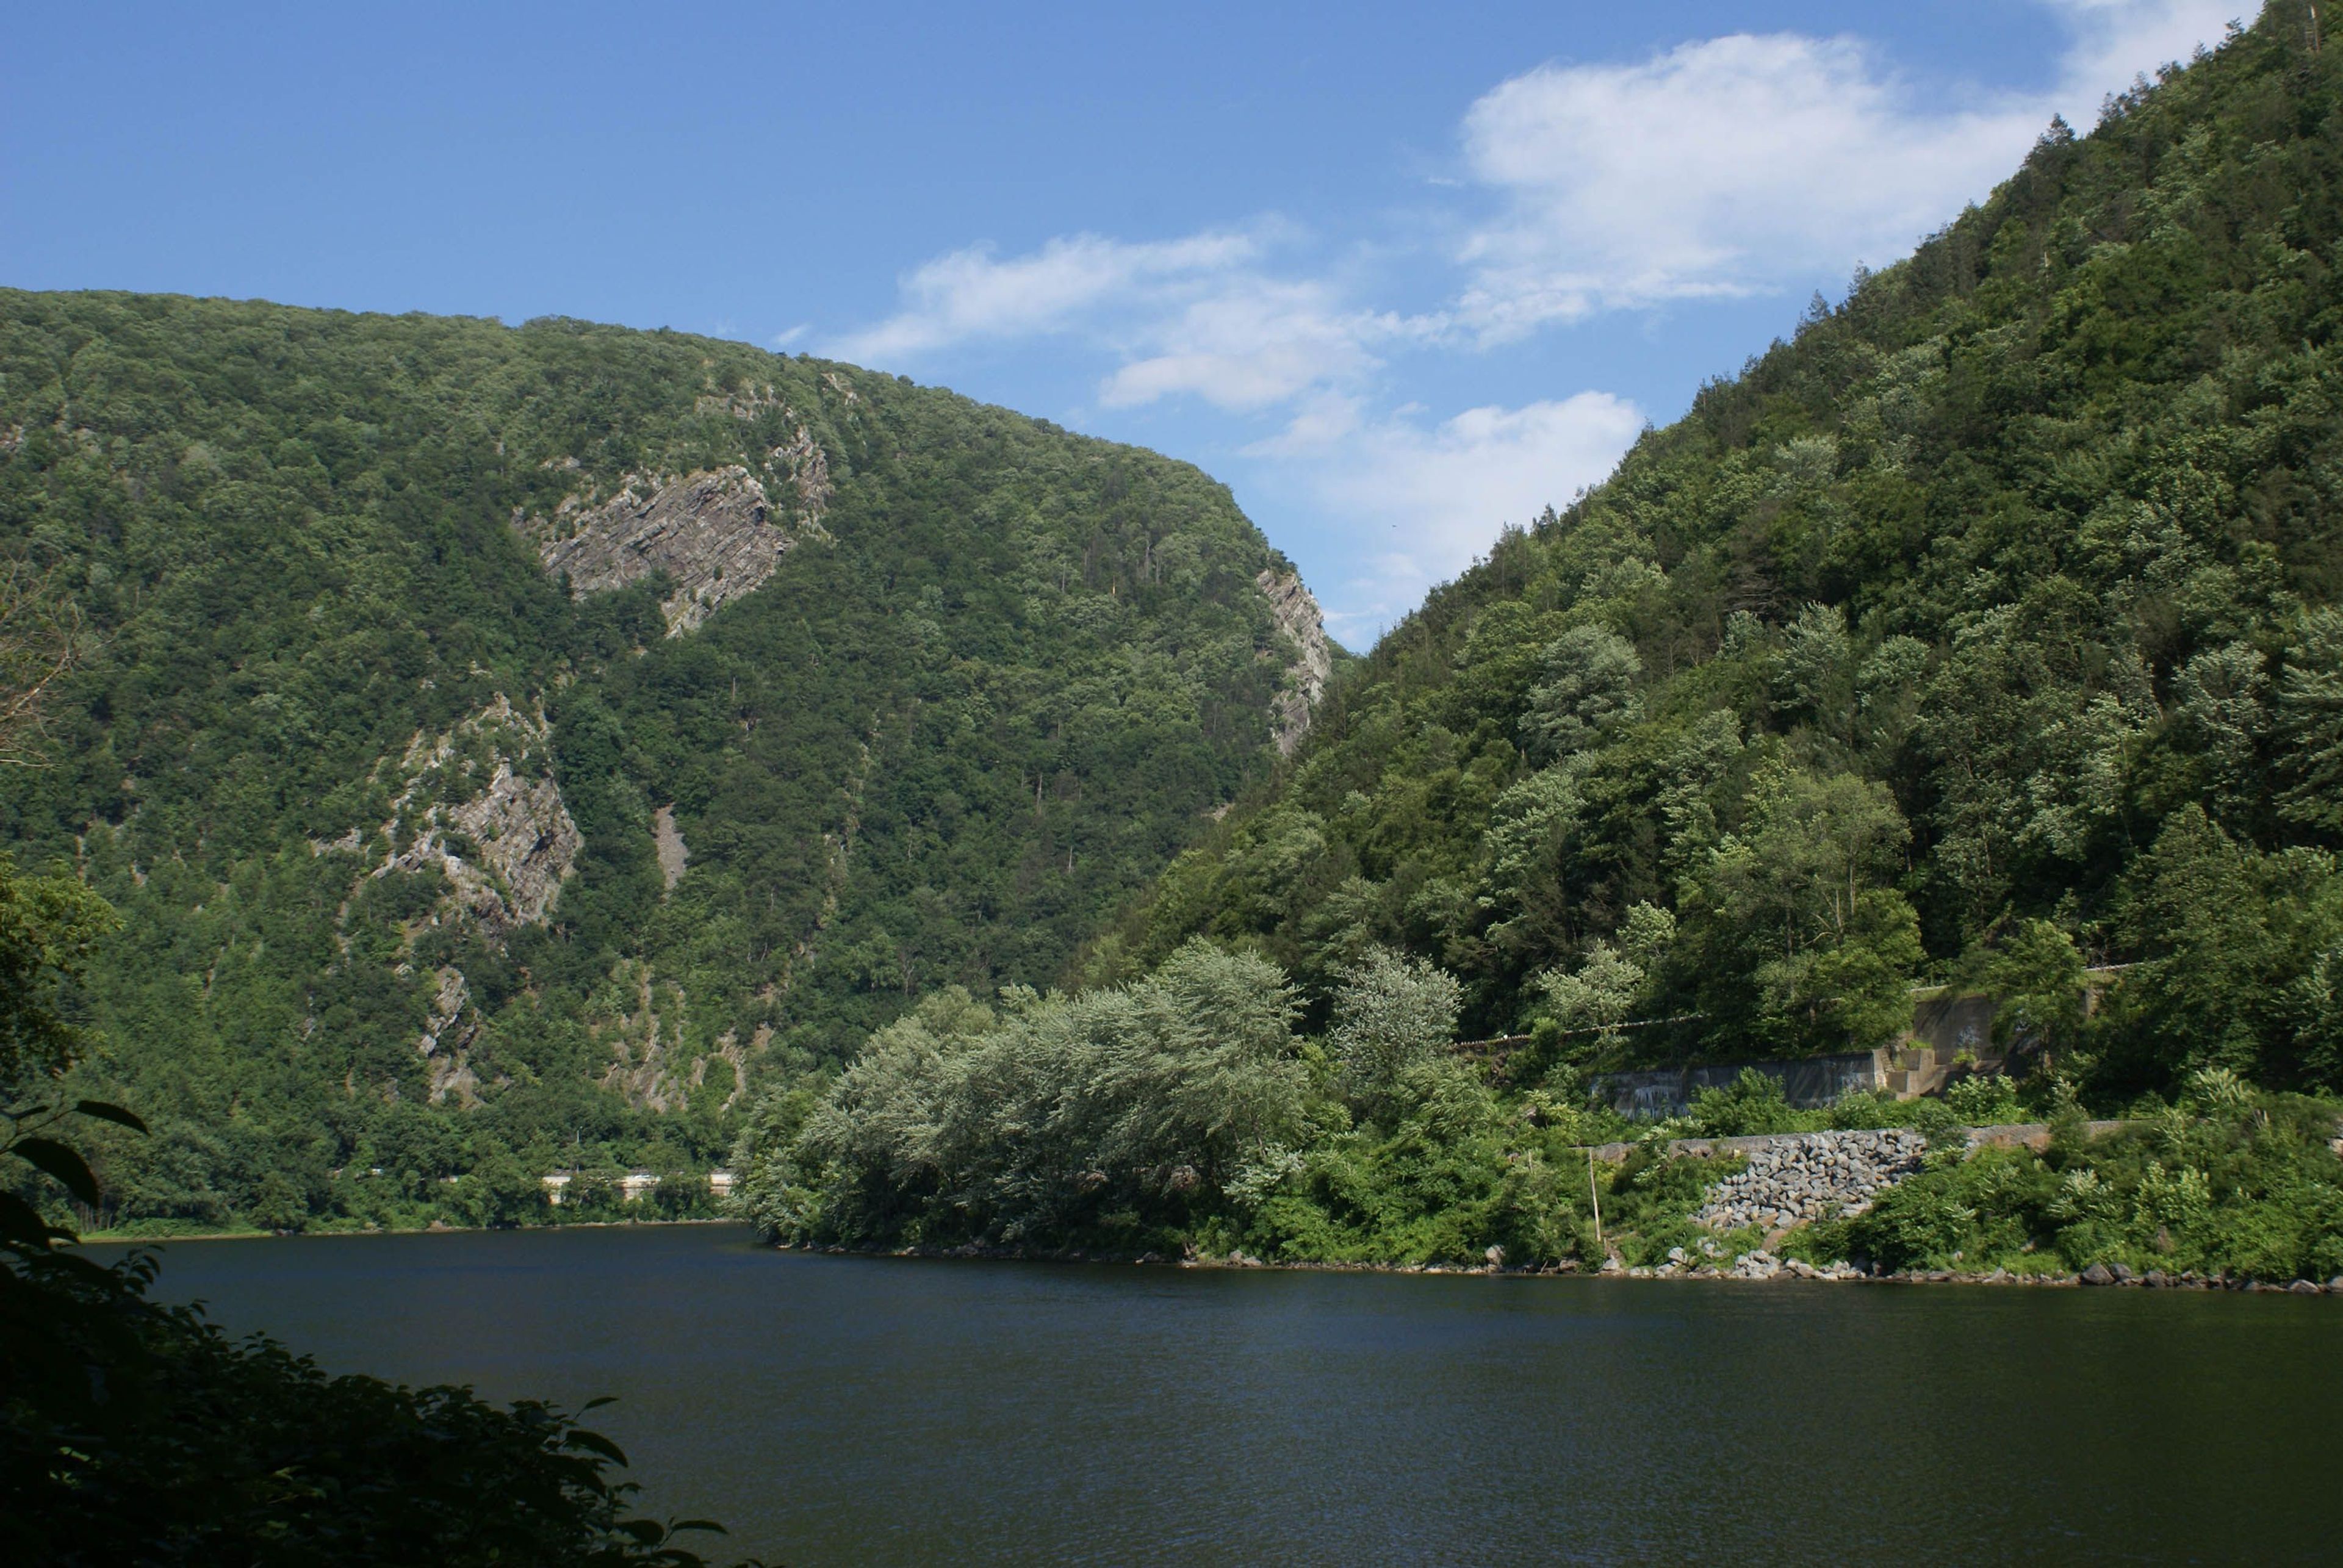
column 135, row 1431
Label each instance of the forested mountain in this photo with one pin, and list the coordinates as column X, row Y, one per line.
column 1984, row 625
column 1985, row 628
column 505, row 746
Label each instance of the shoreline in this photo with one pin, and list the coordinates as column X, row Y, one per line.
column 1754, row 1267
column 117, row 1239
column 1771, row 1271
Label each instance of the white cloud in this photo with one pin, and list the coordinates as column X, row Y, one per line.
column 1202, row 316
column 2114, row 40
column 1254, row 343
column 1715, row 169
column 1727, row 167
column 1426, row 499
column 968, row 294
column 1734, row 164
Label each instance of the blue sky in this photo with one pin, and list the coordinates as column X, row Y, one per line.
column 1399, row 274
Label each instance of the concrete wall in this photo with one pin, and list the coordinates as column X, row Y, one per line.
column 1951, row 1023
column 1944, row 1025
column 1811, row 1082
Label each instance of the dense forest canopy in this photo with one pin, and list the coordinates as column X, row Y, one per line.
column 505, row 746
column 1985, row 628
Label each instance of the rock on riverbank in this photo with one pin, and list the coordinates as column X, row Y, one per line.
column 1812, row 1176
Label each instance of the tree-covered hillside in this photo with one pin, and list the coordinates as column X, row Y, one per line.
column 505, row 746
column 1986, row 626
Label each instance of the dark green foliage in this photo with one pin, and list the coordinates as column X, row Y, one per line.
column 1179, row 1112
column 49, row 926
column 2237, row 949
column 135, row 1432
column 1441, row 1177
column 195, row 1449
column 1116, row 1117
column 1752, row 1103
column 2230, row 1182
column 1648, row 1204
column 993, row 688
column 1986, row 627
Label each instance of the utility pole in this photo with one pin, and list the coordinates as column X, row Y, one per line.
column 1594, row 1194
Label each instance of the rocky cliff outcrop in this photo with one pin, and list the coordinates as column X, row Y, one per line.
column 445, row 1037
column 478, row 806
column 644, row 1023
column 1297, row 615
column 481, row 806
column 714, row 533
column 801, row 463
column 674, row 854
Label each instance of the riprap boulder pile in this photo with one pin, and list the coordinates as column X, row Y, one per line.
column 1796, row 1180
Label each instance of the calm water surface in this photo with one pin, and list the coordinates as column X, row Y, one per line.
column 884, row 1411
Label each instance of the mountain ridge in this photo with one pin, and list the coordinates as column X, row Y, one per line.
column 1978, row 583
column 480, row 714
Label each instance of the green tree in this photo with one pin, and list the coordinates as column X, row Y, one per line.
column 1792, row 935
column 1586, row 688
column 2310, row 709
column 2036, row 975
column 1392, row 1013
column 2232, row 941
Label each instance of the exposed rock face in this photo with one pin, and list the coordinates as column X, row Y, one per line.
column 735, row 1056
column 1296, row 611
column 745, row 403
column 645, row 1023
column 674, row 854
column 645, row 1043
column 801, row 463
column 444, row 1040
column 711, row 532
column 481, row 806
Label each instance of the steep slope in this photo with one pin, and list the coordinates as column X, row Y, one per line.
column 1985, row 626
column 507, row 744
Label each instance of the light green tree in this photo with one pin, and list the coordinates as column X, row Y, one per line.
column 1392, row 1013
column 1586, row 689
column 1796, row 941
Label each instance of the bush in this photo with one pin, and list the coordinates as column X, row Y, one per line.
column 135, row 1432
column 1753, row 1103
column 2240, row 1182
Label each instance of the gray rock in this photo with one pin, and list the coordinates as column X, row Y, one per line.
column 1295, row 611
column 2098, row 1274
column 711, row 531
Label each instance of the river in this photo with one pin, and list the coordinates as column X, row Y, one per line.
column 870, row 1411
